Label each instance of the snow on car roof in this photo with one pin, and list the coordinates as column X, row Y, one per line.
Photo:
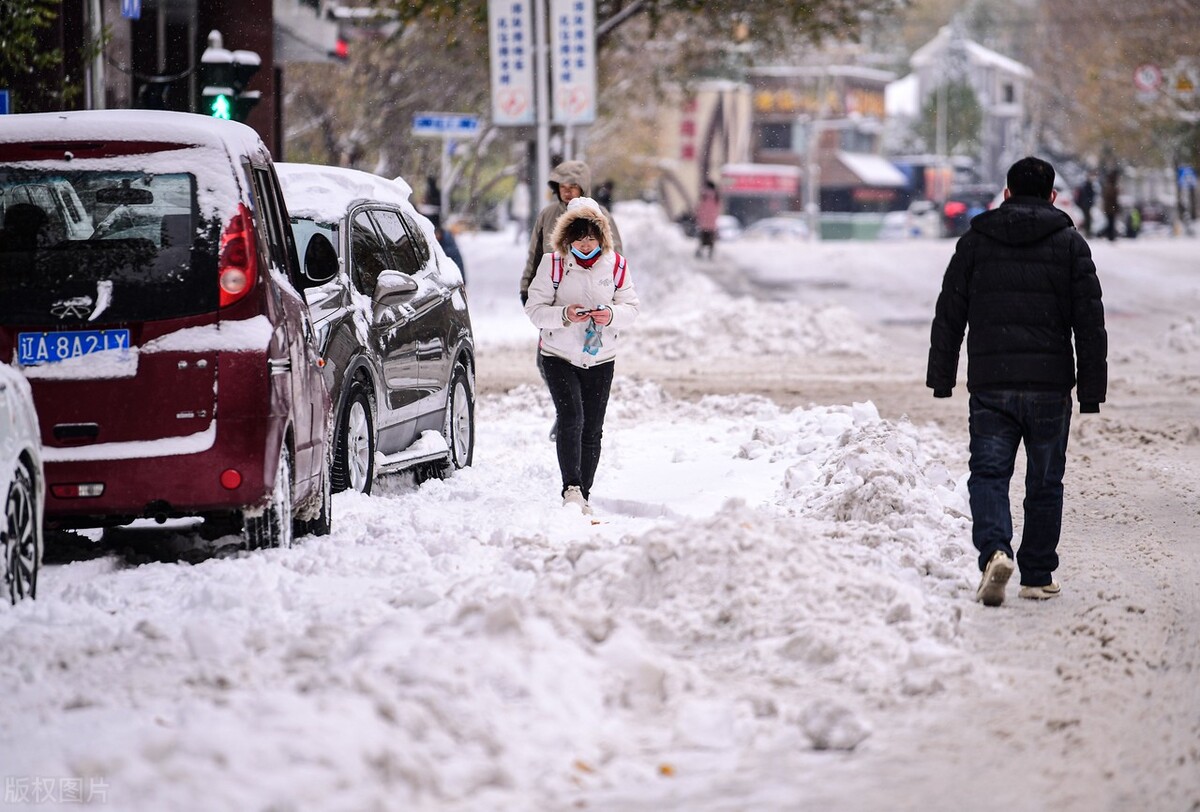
column 323, row 193
column 210, row 145
column 131, row 125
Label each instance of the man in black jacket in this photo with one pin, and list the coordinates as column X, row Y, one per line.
column 1022, row 280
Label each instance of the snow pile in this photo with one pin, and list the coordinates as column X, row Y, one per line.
column 468, row 643
column 700, row 322
column 1183, row 336
column 687, row 315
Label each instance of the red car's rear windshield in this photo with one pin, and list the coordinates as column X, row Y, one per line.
column 131, row 240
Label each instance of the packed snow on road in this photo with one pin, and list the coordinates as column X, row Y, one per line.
column 771, row 609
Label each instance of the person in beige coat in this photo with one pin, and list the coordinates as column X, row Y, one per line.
column 581, row 298
column 568, row 180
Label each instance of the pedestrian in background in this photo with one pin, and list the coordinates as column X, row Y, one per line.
column 568, row 181
column 1086, row 198
column 1021, row 283
column 581, row 296
column 604, row 195
column 708, row 209
column 1109, row 196
column 445, row 238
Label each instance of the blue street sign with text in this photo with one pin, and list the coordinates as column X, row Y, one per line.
column 131, row 9
column 447, row 125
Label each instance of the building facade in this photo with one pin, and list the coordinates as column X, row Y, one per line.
column 1001, row 86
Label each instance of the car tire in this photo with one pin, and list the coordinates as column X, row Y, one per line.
column 272, row 526
column 322, row 524
column 458, row 427
column 21, row 543
column 354, row 448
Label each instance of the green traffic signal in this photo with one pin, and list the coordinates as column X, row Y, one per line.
column 220, row 107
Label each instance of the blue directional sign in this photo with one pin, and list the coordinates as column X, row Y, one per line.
column 3, row 102
column 1187, row 176
column 131, row 9
column 445, row 125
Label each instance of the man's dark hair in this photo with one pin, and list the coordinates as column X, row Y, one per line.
column 582, row 227
column 1031, row 177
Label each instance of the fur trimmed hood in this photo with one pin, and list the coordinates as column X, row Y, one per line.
column 581, row 208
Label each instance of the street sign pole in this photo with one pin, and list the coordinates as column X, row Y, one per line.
column 448, row 127
column 444, row 185
column 542, row 71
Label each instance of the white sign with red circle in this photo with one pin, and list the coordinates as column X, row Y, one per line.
column 1147, row 77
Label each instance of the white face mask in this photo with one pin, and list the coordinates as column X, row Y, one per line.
column 582, row 255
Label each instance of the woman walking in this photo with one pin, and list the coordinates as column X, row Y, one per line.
column 708, row 209
column 581, row 297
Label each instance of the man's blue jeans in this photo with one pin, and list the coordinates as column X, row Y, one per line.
column 1000, row 421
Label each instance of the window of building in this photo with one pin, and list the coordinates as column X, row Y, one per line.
column 774, row 136
column 851, row 140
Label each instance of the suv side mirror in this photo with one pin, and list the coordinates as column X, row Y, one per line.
column 391, row 288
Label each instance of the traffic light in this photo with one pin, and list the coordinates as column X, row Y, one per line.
column 223, row 78
column 153, row 93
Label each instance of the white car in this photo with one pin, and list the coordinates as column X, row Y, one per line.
column 776, row 228
column 920, row 219
column 23, row 485
column 728, row 227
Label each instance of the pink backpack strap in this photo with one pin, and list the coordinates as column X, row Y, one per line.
column 618, row 271
column 556, row 269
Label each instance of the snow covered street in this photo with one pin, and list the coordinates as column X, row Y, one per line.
column 772, row 609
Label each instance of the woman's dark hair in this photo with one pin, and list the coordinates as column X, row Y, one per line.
column 583, row 227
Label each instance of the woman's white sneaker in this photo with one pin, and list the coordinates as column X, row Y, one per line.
column 574, row 496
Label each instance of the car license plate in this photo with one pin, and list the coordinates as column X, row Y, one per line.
column 48, row 348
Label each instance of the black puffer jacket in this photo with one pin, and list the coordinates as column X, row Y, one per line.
column 1022, row 279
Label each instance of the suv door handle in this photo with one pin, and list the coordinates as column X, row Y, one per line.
column 279, row 366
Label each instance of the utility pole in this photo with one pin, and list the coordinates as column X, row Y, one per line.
column 542, row 71
column 812, row 170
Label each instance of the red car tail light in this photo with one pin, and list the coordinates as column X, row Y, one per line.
column 231, row 479
column 81, row 490
column 238, row 268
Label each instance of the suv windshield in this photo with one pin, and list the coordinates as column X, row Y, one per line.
column 130, row 243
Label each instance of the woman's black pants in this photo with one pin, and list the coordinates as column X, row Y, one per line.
column 580, row 399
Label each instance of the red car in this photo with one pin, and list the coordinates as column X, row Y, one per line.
column 148, row 291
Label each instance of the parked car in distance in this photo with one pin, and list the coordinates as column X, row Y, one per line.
column 728, row 227
column 170, row 354
column 777, row 228
column 392, row 323
column 920, row 220
column 23, row 486
column 961, row 207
